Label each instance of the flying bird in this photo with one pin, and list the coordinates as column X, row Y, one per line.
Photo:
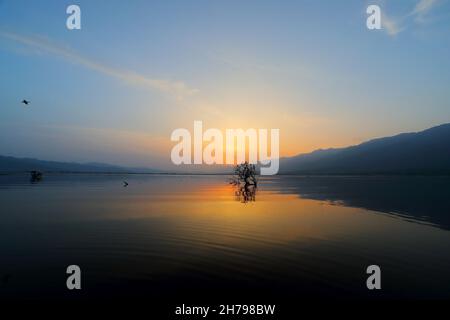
column 25, row 102
column 125, row 184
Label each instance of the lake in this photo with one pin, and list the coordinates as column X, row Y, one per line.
column 191, row 236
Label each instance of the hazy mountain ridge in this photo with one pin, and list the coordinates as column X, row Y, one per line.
column 424, row 152
column 12, row 164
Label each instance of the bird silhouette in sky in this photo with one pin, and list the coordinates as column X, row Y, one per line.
column 25, row 102
column 125, row 184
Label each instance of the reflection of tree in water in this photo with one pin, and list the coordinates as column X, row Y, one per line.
column 244, row 178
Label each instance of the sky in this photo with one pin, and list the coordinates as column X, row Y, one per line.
column 114, row 90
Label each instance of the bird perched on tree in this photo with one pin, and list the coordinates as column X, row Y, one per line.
column 25, row 102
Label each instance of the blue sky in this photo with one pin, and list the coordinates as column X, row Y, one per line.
column 114, row 90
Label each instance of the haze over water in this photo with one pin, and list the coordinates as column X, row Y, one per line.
column 187, row 235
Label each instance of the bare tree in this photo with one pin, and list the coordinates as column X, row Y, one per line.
column 244, row 178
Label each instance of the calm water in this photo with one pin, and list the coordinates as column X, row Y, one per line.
column 188, row 235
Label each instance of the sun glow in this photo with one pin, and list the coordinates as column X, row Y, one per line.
column 249, row 145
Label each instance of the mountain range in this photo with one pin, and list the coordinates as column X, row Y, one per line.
column 424, row 152
column 13, row 164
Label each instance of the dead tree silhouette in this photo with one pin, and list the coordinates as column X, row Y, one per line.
column 244, row 178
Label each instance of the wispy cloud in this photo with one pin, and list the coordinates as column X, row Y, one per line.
column 393, row 26
column 422, row 8
column 175, row 88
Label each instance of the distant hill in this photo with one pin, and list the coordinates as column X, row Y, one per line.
column 425, row 152
column 12, row 164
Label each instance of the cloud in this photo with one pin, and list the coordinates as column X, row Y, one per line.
column 393, row 26
column 175, row 88
column 422, row 8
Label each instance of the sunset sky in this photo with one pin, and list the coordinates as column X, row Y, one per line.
column 115, row 90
